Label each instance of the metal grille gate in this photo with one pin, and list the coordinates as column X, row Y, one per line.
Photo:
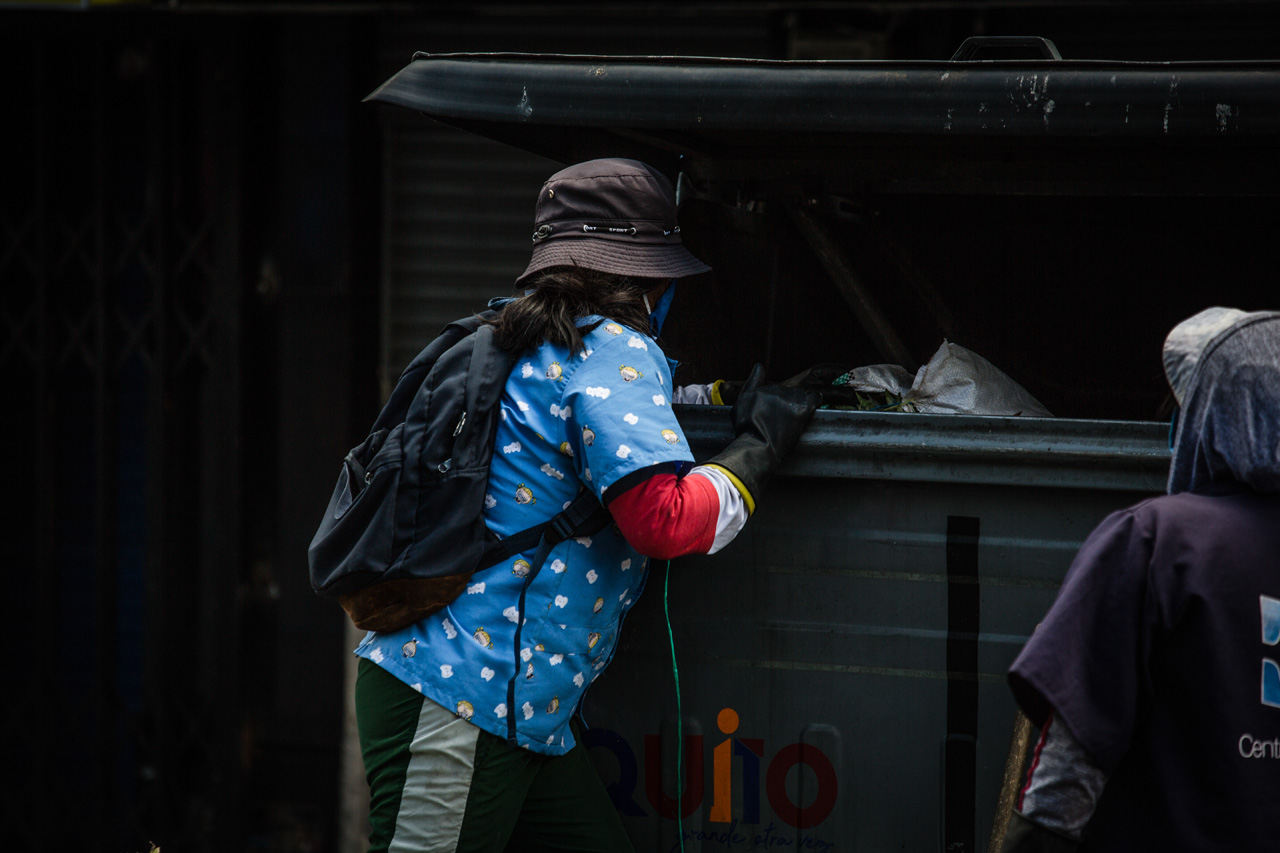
column 118, row 357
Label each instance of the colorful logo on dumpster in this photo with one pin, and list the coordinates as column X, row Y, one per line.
column 760, row 773
column 1270, row 637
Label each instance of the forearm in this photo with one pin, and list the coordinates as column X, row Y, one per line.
column 1061, row 792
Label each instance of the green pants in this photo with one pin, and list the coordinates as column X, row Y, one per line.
column 438, row 783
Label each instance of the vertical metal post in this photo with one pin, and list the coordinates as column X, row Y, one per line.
column 103, row 788
column 46, row 481
column 158, row 772
column 221, row 521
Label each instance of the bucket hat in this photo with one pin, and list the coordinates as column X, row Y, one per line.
column 611, row 215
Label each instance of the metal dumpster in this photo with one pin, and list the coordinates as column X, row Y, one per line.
column 841, row 664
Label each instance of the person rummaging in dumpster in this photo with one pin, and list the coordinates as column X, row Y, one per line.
column 1155, row 676
column 469, row 745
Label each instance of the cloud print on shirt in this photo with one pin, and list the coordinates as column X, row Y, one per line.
column 595, row 391
column 637, row 343
column 513, row 447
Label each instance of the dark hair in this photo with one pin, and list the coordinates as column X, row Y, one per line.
column 562, row 295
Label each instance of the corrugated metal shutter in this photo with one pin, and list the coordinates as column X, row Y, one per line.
column 459, row 212
column 458, row 208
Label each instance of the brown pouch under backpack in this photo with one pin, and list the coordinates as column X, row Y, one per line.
column 392, row 605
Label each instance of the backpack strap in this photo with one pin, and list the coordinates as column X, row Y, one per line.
column 582, row 517
column 406, row 387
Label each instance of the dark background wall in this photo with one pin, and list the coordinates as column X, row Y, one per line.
column 190, row 289
column 191, row 267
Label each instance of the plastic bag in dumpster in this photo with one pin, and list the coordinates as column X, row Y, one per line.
column 955, row 381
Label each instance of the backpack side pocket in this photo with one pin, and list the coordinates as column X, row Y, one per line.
column 356, row 542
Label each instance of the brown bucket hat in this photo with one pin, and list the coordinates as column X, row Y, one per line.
column 612, row 215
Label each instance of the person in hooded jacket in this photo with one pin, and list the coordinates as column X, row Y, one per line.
column 466, row 718
column 1155, row 676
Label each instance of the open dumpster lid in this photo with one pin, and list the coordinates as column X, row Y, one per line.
column 1055, row 216
column 1041, row 125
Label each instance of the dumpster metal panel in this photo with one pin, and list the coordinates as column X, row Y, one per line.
column 1052, row 452
column 859, row 630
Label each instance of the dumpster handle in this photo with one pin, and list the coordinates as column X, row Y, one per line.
column 972, row 46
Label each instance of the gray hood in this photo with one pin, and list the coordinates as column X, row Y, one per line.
column 1224, row 368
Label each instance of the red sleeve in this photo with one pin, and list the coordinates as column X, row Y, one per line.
column 665, row 517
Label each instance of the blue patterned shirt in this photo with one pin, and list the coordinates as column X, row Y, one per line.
column 566, row 421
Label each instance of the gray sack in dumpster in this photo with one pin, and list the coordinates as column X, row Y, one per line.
column 956, row 381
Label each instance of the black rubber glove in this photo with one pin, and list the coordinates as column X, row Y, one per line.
column 817, row 378
column 767, row 420
column 820, row 376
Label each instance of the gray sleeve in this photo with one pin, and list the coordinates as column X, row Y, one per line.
column 696, row 394
column 1063, row 784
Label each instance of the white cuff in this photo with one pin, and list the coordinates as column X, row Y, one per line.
column 733, row 509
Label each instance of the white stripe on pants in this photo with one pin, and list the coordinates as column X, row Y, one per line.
column 437, row 781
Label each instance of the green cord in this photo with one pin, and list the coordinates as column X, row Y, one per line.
column 675, row 671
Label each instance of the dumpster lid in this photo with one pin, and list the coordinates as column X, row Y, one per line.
column 756, row 117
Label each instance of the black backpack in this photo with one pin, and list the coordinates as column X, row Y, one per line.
column 404, row 530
